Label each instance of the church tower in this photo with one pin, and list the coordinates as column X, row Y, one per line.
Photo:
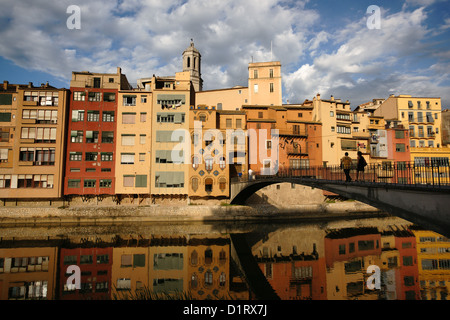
column 192, row 63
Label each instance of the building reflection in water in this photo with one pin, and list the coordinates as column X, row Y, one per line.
column 299, row 262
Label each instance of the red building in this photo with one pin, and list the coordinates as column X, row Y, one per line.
column 408, row 288
column 91, row 140
column 96, row 267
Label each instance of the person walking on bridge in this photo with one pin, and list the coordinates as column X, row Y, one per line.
column 346, row 165
column 360, row 166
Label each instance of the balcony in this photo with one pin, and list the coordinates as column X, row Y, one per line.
column 296, row 151
column 293, row 132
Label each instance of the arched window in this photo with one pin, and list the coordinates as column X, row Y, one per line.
column 202, row 117
column 209, row 184
column 194, row 184
column 222, row 184
column 188, row 62
column 222, row 279
column 222, row 257
column 208, row 278
column 208, row 256
column 222, row 163
column 195, row 162
column 194, row 281
column 194, row 258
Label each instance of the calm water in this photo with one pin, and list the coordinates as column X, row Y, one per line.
column 325, row 260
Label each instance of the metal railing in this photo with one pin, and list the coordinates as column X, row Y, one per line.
column 396, row 173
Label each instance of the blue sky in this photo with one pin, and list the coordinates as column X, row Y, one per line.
column 324, row 46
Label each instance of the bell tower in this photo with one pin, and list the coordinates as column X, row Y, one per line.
column 192, row 63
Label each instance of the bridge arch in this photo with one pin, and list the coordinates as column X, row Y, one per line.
column 421, row 204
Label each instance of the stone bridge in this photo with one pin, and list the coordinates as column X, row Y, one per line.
column 425, row 205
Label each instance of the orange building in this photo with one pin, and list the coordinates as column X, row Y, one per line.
column 298, row 144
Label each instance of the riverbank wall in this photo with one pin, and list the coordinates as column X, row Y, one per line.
column 92, row 214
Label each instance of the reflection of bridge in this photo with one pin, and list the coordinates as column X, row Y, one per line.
column 417, row 194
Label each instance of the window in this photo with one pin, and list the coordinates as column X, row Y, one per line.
column 142, row 138
column 91, row 136
column 268, row 144
column 106, row 156
column 399, row 134
column 209, row 164
column 229, row 123
column 143, row 117
column 109, row 97
column 127, row 158
column 138, row 260
column 400, row 147
column 128, row 181
column 128, row 139
column 108, row 137
column 129, row 100
column 141, row 157
column 143, row 99
column 419, row 117
column 94, row 96
column 260, row 115
column 208, row 185
column 222, row 163
column 73, row 183
column 91, row 156
column 342, row 249
column 141, row 181
column 97, row 82
column 108, row 116
column 128, row 118
column 239, row 123
column 6, row 116
column 75, row 156
column 105, row 183
column 89, row 183
column 222, row 184
column 271, row 87
column 79, row 96
column 255, row 88
column 93, row 116
column 255, row 74
column 194, row 184
column 270, row 73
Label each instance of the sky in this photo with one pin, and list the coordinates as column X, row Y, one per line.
column 326, row 47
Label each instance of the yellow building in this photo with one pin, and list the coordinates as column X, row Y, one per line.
column 33, row 130
column 209, row 267
column 264, row 83
column 169, row 268
column 223, row 99
column 28, row 273
column 218, row 137
column 336, row 118
column 130, row 271
column 264, row 88
column 133, row 144
column 431, row 165
column 433, row 255
column 421, row 115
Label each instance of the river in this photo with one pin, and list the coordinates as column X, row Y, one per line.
column 383, row 258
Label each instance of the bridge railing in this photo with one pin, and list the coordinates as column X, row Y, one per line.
column 399, row 173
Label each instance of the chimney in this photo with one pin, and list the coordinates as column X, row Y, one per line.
column 332, row 98
column 5, row 85
column 119, row 70
column 318, row 96
column 30, row 84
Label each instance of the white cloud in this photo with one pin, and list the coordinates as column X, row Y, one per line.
column 368, row 63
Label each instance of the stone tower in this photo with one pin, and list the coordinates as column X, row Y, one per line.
column 192, row 63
